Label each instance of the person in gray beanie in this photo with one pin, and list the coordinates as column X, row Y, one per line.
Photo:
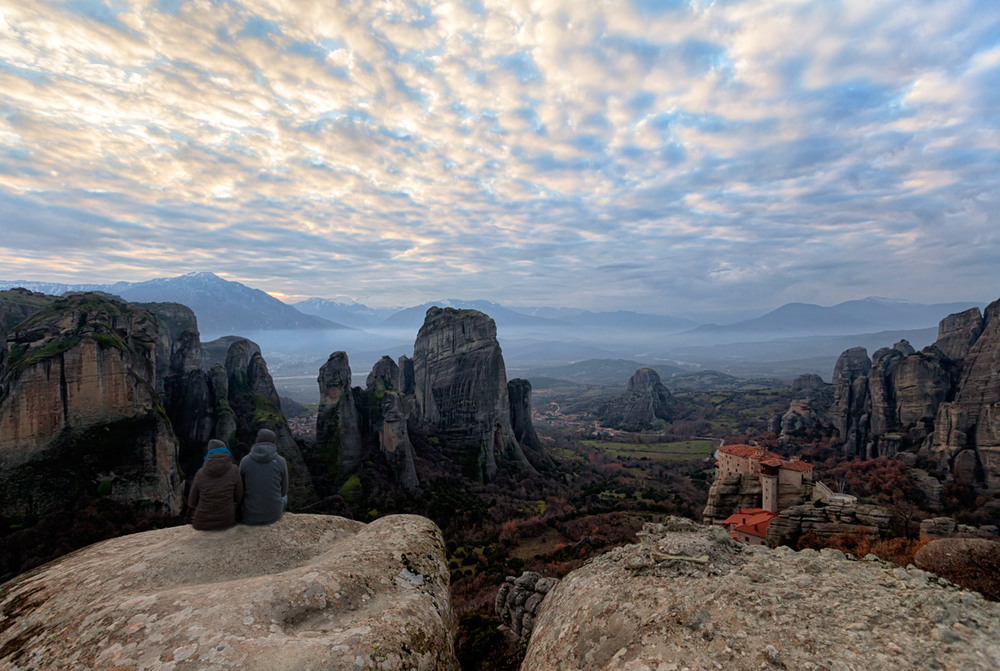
column 265, row 481
column 216, row 490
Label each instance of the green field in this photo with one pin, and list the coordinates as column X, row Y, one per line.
column 683, row 450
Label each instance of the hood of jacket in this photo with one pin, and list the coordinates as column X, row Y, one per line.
column 217, row 464
column 263, row 452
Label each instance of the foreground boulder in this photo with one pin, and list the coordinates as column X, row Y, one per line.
column 688, row 597
column 308, row 592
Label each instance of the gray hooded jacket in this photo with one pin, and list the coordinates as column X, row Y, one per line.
column 265, row 483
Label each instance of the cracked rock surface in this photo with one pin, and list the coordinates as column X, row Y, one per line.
column 687, row 597
column 307, row 592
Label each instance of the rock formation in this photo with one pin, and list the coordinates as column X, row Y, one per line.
column 644, row 402
column 308, row 592
column 256, row 405
column 518, row 599
column 827, row 518
column 851, row 402
column 807, row 382
column 460, row 386
column 394, row 439
column 688, row 597
column 338, row 427
column 385, row 371
column 79, row 409
column 942, row 402
column 519, row 393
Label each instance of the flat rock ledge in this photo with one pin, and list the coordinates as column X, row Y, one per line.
column 688, row 597
column 308, row 592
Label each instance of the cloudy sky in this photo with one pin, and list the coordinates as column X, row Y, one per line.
column 659, row 155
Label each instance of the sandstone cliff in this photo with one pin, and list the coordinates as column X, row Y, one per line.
column 79, row 409
column 688, row 597
column 645, row 401
column 460, row 386
column 308, row 592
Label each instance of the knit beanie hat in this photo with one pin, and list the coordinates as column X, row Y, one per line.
column 265, row 436
column 217, row 447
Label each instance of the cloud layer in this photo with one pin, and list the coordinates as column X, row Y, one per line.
column 659, row 155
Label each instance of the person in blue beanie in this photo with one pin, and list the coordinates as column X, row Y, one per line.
column 216, row 491
column 265, row 481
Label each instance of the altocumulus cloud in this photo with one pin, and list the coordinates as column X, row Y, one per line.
column 648, row 154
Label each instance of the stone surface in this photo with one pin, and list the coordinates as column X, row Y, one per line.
column 645, row 401
column 460, row 385
column 807, row 382
column 518, row 599
column 78, row 407
column 744, row 608
column 825, row 519
column 338, row 426
column 308, row 592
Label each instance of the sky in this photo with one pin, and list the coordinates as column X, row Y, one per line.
column 665, row 156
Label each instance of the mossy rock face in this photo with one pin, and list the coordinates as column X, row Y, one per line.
column 352, row 490
column 106, row 458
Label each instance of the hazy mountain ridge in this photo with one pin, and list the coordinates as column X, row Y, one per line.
column 857, row 316
column 221, row 306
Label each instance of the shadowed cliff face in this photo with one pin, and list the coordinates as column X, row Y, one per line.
column 942, row 402
column 338, row 427
column 460, row 385
column 79, row 409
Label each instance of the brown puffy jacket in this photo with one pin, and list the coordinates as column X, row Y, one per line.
column 215, row 493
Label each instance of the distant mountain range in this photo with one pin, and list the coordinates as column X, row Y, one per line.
column 860, row 316
column 222, row 307
column 532, row 337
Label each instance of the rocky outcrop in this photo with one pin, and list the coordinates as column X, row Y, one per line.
column 460, row 386
column 338, row 427
column 519, row 393
column 386, row 372
column 807, row 382
column 308, row 592
column 394, row 439
column 256, row 405
column 688, row 597
column 406, row 381
column 851, row 408
column 957, row 333
column 517, row 602
column 79, row 409
column 947, row 527
column 942, row 402
column 645, row 401
column 826, row 518
column 972, row 421
column 16, row 305
column 182, row 384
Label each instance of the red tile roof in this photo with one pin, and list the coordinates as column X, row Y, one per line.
column 765, row 457
column 752, row 521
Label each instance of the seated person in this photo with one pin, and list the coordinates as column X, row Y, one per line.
column 265, row 481
column 216, row 491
